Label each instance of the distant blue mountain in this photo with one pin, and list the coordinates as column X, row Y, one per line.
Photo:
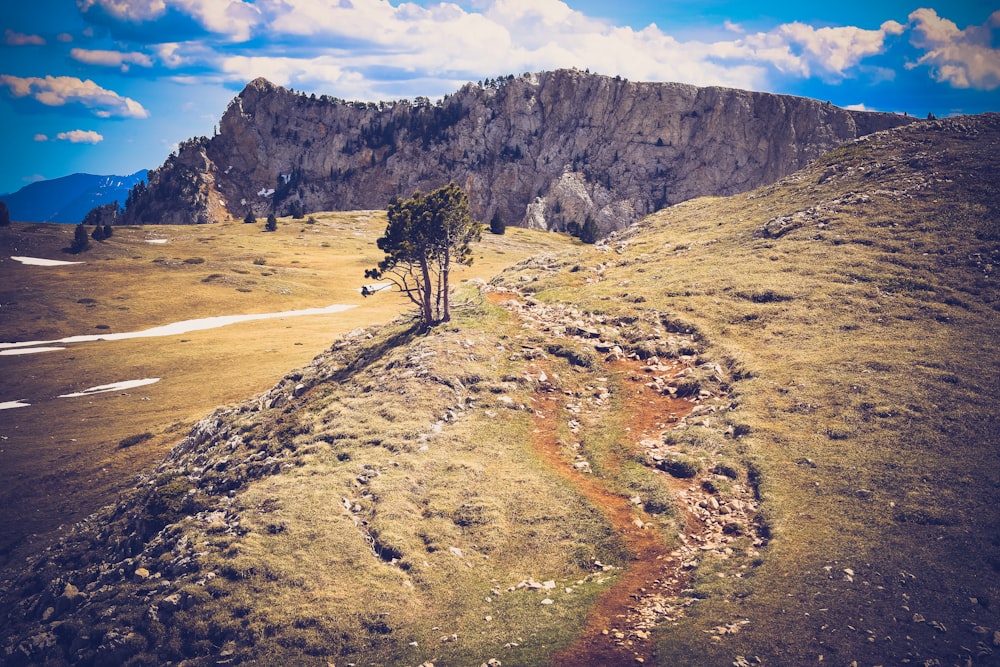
column 70, row 198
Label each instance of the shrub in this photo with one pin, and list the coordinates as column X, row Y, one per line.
column 81, row 240
column 272, row 223
column 682, row 467
column 133, row 440
column 497, row 225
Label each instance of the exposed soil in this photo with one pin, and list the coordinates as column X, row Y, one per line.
column 617, row 627
column 647, row 593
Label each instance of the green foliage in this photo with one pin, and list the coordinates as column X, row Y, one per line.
column 425, row 235
column 497, row 225
column 98, row 233
column 4, row 214
column 133, row 440
column 81, row 240
column 272, row 223
column 589, row 233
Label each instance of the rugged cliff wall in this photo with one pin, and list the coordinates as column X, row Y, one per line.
column 545, row 150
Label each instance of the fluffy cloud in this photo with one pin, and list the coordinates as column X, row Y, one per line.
column 57, row 91
column 324, row 72
column 369, row 48
column 111, row 58
column 232, row 19
column 962, row 58
column 12, row 38
column 802, row 50
column 80, row 137
column 74, row 137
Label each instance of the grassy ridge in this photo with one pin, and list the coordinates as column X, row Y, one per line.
column 61, row 458
column 861, row 296
column 381, row 505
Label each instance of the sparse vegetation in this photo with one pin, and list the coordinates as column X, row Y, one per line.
column 497, row 225
column 133, row 440
column 384, row 503
column 81, row 240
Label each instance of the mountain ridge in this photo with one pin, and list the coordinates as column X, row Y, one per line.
column 839, row 336
column 545, row 150
column 68, row 199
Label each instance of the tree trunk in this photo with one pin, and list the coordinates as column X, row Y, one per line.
column 427, row 307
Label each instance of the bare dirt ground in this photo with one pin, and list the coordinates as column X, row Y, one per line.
column 649, row 592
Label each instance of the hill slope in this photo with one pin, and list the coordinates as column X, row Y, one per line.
column 789, row 393
column 70, row 198
column 545, row 150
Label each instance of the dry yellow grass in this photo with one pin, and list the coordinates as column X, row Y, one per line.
column 60, row 457
column 368, row 517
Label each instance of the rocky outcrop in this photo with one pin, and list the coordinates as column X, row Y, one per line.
column 545, row 150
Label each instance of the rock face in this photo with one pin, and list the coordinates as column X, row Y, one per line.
column 545, row 150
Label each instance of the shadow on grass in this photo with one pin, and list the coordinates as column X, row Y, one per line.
column 368, row 355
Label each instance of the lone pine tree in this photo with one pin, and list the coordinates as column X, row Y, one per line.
column 425, row 236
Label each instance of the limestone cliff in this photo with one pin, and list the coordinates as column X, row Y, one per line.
column 545, row 150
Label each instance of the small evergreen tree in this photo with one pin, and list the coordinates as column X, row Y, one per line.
column 4, row 214
column 107, row 231
column 272, row 223
column 81, row 240
column 589, row 232
column 251, row 219
column 425, row 237
column 98, row 233
column 497, row 225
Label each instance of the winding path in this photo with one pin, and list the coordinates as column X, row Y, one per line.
column 648, row 592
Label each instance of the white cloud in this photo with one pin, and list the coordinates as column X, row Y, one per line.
column 733, row 27
column 232, row 19
column 369, row 49
column 802, row 50
column 12, row 38
column 111, row 58
column 64, row 37
column 81, row 137
column 57, row 91
column 41, row 137
column 961, row 58
column 323, row 72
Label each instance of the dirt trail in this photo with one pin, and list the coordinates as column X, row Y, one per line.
column 614, row 633
column 648, row 593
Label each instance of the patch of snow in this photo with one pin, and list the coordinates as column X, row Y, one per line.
column 182, row 327
column 265, row 193
column 114, row 386
column 14, row 404
column 28, row 350
column 157, row 240
column 35, row 261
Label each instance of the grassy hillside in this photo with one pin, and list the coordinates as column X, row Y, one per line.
column 64, row 458
column 751, row 430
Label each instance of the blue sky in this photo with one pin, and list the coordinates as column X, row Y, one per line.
column 111, row 86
